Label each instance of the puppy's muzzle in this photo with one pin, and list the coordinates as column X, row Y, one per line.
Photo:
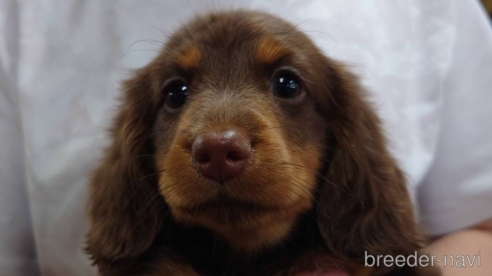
column 222, row 155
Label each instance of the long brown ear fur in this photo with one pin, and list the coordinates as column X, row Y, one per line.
column 365, row 203
column 124, row 200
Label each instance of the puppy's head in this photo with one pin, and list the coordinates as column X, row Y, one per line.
column 241, row 125
column 238, row 139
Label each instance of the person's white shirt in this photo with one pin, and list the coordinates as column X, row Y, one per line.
column 428, row 65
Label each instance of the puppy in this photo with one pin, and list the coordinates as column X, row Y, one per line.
column 243, row 150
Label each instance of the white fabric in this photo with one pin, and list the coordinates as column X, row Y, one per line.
column 428, row 63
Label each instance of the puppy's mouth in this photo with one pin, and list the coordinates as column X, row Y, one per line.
column 244, row 184
column 225, row 203
column 261, row 192
column 254, row 206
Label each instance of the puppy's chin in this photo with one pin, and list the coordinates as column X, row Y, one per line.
column 245, row 224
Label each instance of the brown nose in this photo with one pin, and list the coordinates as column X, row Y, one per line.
column 222, row 155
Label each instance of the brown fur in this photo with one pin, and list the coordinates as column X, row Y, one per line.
column 270, row 50
column 190, row 58
column 320, row 190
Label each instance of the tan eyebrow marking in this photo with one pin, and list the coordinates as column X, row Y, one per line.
column 270, row 50
column 189, row 58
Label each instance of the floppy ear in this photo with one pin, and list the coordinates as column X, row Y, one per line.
column 365, row 204
column 124, row 200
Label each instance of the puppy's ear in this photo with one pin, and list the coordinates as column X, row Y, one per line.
column 124, row 199
column 364, row 201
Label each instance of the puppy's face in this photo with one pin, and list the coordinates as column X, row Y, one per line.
column 238, row 136
column 239, row 117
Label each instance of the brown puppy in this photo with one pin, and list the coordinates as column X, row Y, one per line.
column 242, row 150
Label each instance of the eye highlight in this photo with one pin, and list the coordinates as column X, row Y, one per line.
column 286, row 85
column 176, row 94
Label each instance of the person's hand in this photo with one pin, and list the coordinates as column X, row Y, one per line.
column 466, row 242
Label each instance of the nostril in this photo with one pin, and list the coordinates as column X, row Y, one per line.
column 233, row 156
column 202, row 158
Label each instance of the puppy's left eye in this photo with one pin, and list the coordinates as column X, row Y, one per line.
column 176, row 96
column 285, row 85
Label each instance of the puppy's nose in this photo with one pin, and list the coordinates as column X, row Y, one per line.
column 222, row 155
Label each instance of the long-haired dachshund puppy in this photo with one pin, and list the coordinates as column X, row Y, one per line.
column 243, row 150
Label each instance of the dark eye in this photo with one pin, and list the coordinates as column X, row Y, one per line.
column 285, row 85
column 176, row 94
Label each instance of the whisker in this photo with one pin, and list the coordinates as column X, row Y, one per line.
column 320, row 32
column 152, row 202
column 150, row 155
column 316, row 202
column 322, row 177
column 309, row 148
column 137, row 183
column 141, row 50
column 149, row 202
column 146, row 216
column 154, row 42
column 160, row 30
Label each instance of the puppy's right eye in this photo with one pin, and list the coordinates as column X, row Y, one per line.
column 286, row 85
column 177, row 92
